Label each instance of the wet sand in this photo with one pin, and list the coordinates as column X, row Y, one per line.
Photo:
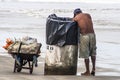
column 6, row 72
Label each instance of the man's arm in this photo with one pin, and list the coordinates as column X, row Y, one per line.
column 75, row 19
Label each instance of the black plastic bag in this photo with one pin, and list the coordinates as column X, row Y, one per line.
column 61, row 31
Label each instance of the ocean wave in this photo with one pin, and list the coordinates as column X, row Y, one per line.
column 106, row 23
column 101, row 16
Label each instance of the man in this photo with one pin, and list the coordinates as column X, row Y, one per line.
column 87, row 45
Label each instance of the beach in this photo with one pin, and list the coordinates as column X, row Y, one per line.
column 17, row 21
column 6, row 72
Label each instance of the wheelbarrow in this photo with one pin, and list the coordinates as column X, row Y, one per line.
column 22, row 59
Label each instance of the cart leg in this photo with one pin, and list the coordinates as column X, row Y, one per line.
column 31, row 67
column 15, row 64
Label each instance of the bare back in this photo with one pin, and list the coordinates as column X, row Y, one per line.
column 85, row 23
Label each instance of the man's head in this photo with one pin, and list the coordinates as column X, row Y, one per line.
column 77, row 11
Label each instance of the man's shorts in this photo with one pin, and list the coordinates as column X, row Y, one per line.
column 87, row 46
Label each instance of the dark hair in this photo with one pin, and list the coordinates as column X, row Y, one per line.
column 77, row 11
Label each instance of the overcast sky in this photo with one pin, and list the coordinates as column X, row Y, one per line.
column 88, row 1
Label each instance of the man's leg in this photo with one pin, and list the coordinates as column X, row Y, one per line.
column 84, row 52
column 93, row 52
column 93, row 58
column 87, row 73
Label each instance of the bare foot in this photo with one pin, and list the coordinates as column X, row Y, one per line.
column 85, row 74
column 93, row 73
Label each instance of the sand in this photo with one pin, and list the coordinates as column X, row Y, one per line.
column 6, row 72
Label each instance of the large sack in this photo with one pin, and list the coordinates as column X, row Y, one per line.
column 14, row 47
column 25, row 48
column 29, row 49
column 62, row 50
column 28, row 40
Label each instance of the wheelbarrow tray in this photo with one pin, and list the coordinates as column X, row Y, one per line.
column 25, row 56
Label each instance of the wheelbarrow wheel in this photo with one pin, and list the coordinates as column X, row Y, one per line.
column 19, row 69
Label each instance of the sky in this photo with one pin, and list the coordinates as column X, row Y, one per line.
column 87, row 1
